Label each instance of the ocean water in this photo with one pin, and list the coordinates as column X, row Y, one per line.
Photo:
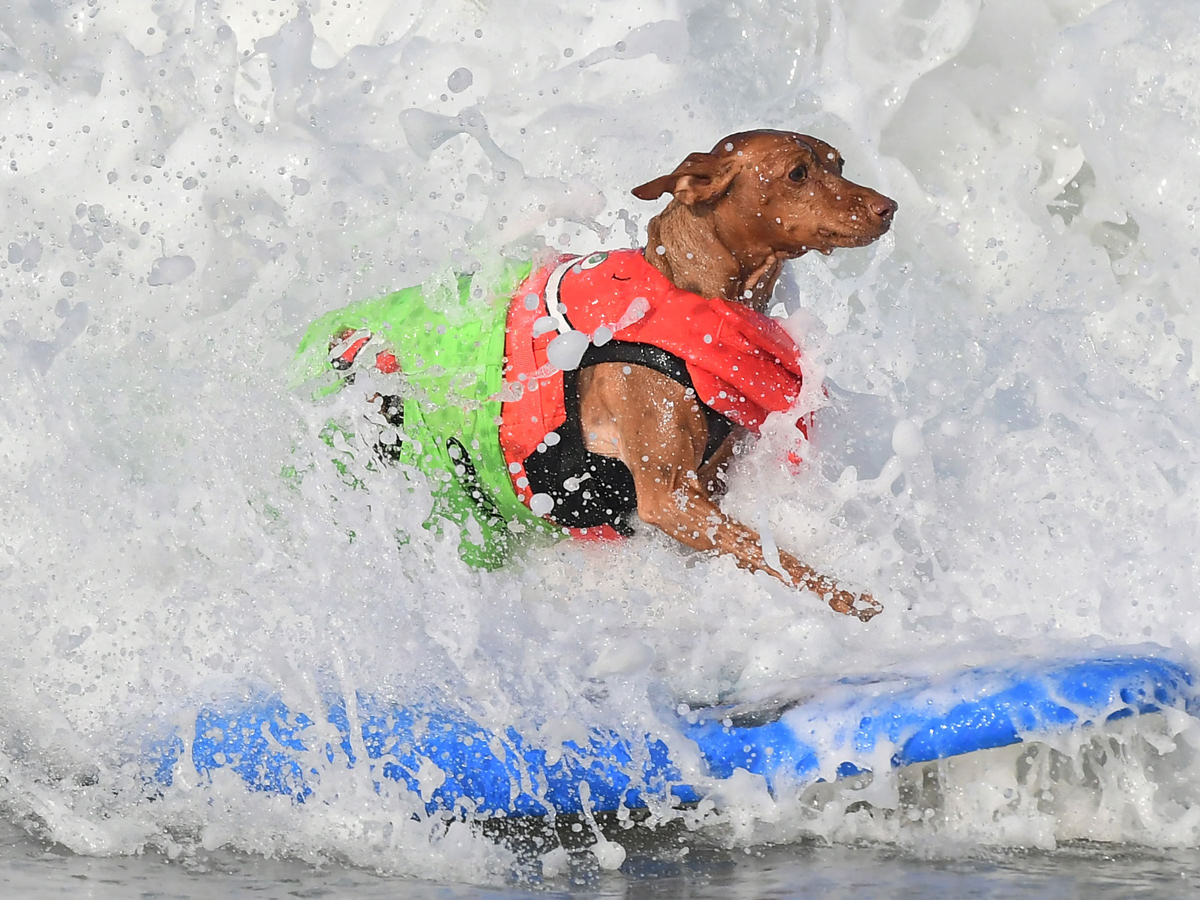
column 1007, row 458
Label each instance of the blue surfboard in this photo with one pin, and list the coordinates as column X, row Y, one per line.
column 817, row 730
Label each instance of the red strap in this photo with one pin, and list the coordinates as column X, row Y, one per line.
column 346, row 359
column 387, row 363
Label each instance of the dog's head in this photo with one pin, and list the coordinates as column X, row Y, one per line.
column 776, row 190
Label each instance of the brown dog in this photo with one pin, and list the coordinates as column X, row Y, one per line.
column 758, row 199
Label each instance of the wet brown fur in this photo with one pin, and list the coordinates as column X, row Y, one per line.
column 737, row 214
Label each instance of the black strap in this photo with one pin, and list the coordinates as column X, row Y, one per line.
column 651, row 357
column 590, row 489
column 668, row 364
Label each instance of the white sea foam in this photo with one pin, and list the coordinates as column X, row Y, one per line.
column 1007, row 457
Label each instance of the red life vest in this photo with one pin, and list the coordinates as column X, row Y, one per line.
column 742, row 364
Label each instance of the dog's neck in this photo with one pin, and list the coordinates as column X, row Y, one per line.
column 685, row 245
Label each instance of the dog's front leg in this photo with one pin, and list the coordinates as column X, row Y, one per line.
column 685, row 512
column 712, row 474
column 654, row 426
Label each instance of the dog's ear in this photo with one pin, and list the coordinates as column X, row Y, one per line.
column 698, row 179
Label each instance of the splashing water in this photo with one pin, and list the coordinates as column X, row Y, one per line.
column 1007, row 457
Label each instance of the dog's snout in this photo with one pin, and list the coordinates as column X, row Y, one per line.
column 884, row 207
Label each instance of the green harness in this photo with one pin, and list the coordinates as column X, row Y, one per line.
column 452, row 369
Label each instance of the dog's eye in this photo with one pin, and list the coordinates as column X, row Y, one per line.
column 799, row 173
column 841, row 166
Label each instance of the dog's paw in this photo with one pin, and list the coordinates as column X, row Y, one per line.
column 863, row 607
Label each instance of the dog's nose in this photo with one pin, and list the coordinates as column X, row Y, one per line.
column 884, row 207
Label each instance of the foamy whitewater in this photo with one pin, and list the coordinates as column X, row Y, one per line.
column 1008, row 458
